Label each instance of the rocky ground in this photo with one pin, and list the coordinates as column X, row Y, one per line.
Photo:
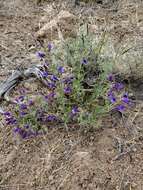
column 107, row 158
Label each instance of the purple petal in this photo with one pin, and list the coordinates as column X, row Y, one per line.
column 54, row 78
column 61, row 69
column 23, row 106
column 110, row 78
column 22, row 91
column 84, row 61
column 125, row 98
column 23, row 133
column 121, row 108
column 20, row 98
column 30, row 103
column 26, row 126
column 11, row 121
column 7, row 114
column 51, row 85
column 16, row 130
column 68, row 80
column 117, row 86
column 50, row 96
column 40, row 54
column 51, row 118
column 75, row 110
column 50, row 46
column 44, row 74
column 111, row 97
column 67, row 90
column 22, row 113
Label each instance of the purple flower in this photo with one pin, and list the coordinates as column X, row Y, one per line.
column 111, row 97
column 46, row 97
column 22, row 91
column 11, row 121
column 68, row 80
column 125, row 98
column 26, row 126
column 16, row 130
column 75, row 110
column 50, row 46
column 30, row 103
column 110, row 78
column 7, row 114
column 61, row 69
column 40, row 115
column 46, row 64
column 54, row 78
column 120, row 108
column 20, row 98
column 67, row 90
column 21, row 132
column 44, row 74
column 40, row 54
column 23, row 106
column 22, row 113
column 117, row 86
column 110, row 92
column 50, row 96
column 51, row 85
column 51, row 118
column 25, row 133
column 84, row 61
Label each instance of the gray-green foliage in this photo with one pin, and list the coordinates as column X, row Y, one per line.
column 89, row 87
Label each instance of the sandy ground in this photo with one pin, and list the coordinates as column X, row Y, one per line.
column 109, row 158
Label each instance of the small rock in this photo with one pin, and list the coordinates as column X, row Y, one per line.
column 33, row 59
column 65, row 21
column 31, row 85
column 51, row 178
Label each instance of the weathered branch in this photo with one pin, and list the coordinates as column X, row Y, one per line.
column 16, row 77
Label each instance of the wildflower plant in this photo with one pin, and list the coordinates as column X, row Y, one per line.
column 80, row 88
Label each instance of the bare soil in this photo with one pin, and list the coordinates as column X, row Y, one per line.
column 109, row 158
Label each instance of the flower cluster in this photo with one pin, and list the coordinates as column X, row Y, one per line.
column 44, row 118
column 117, row 96
column 73, row 91
column 9, row 118
column 26, row 132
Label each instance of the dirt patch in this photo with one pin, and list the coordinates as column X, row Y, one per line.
column 108, row 158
